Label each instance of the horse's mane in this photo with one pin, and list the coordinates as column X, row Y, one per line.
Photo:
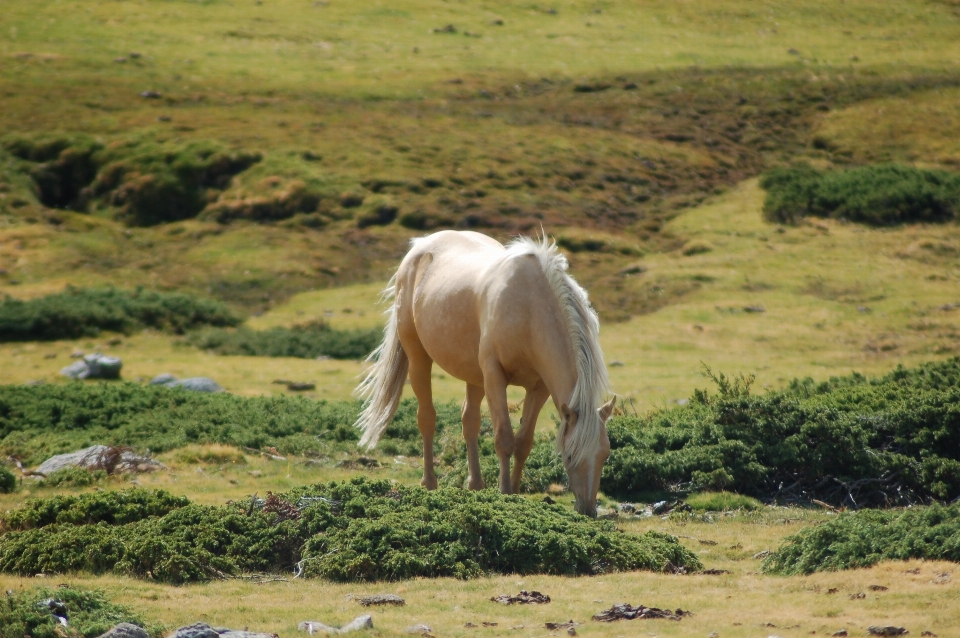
column 584, row 329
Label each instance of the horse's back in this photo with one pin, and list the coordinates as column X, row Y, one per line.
column 462, row 289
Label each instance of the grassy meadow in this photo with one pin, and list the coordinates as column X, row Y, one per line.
column 633, row 132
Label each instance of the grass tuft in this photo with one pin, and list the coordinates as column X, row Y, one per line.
column 722, row 502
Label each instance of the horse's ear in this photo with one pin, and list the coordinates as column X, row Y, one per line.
column 607, row 409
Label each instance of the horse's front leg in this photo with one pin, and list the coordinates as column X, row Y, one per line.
column 471, row 435
column 532, row 403
column 495, row 387
column 420, row 367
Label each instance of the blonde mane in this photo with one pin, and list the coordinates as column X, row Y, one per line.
column 584, row 328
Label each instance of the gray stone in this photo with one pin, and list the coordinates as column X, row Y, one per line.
column 203, row 630
column 197, row 630
column 357, row 624
column 76, row 370
column 100, row 366
column 197, row 384
column 126, row 630
column 163, row 379
column 94, row 366
column 419, row 629
column 100, row 457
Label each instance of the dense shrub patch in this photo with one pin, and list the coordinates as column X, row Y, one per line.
column 879, row 195
column 864, row 538
column 80, row 312
column 113, row 508
column 36, row 422
column 360, row 530
column 307, row 341
column 851, row 441
column 8, row 481
column 90, row 614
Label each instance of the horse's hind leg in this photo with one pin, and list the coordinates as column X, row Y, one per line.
column 495, row 387
column 532, row 404
column 471, row 434
column 420, row 366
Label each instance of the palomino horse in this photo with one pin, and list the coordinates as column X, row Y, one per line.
column 494, row 316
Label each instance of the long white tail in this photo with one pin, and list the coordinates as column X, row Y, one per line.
column 383, row 385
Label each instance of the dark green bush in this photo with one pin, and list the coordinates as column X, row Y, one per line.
column 308, row 341
column 359, row 530
column 90, row 614
column 114, row 508
column 851, row 441
column 8, row 481
column 38, row 421
column 73, row 476
column 864, row 538
column 80, row 312
column 879, row 195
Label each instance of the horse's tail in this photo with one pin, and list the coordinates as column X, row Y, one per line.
column 383, row 385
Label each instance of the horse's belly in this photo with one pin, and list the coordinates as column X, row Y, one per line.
column 448, row 329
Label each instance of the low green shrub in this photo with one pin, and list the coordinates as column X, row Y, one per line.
column 90, row 614
column 38, row 421
column 722, row 502
column 114, row 508
column 8, row 480
column 361, row 530
column 850, row 441
column 81, row 312
column 879, row 195
column 864, row 538
column 73, row 476
column 307, row 341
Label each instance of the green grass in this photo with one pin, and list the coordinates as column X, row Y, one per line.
column 722, row 502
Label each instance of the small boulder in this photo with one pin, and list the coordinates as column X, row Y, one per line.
column 100, row 457
column 94, row 366
column 203, row 630
column 198, row 384
column 162, row 379
column 126, row 630
column 357, row 624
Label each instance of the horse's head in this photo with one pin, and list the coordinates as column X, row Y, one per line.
column 584, row 466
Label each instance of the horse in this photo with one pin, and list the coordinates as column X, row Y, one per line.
column 491, row 316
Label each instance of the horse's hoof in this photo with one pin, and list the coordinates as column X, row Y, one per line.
column 430, row 484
